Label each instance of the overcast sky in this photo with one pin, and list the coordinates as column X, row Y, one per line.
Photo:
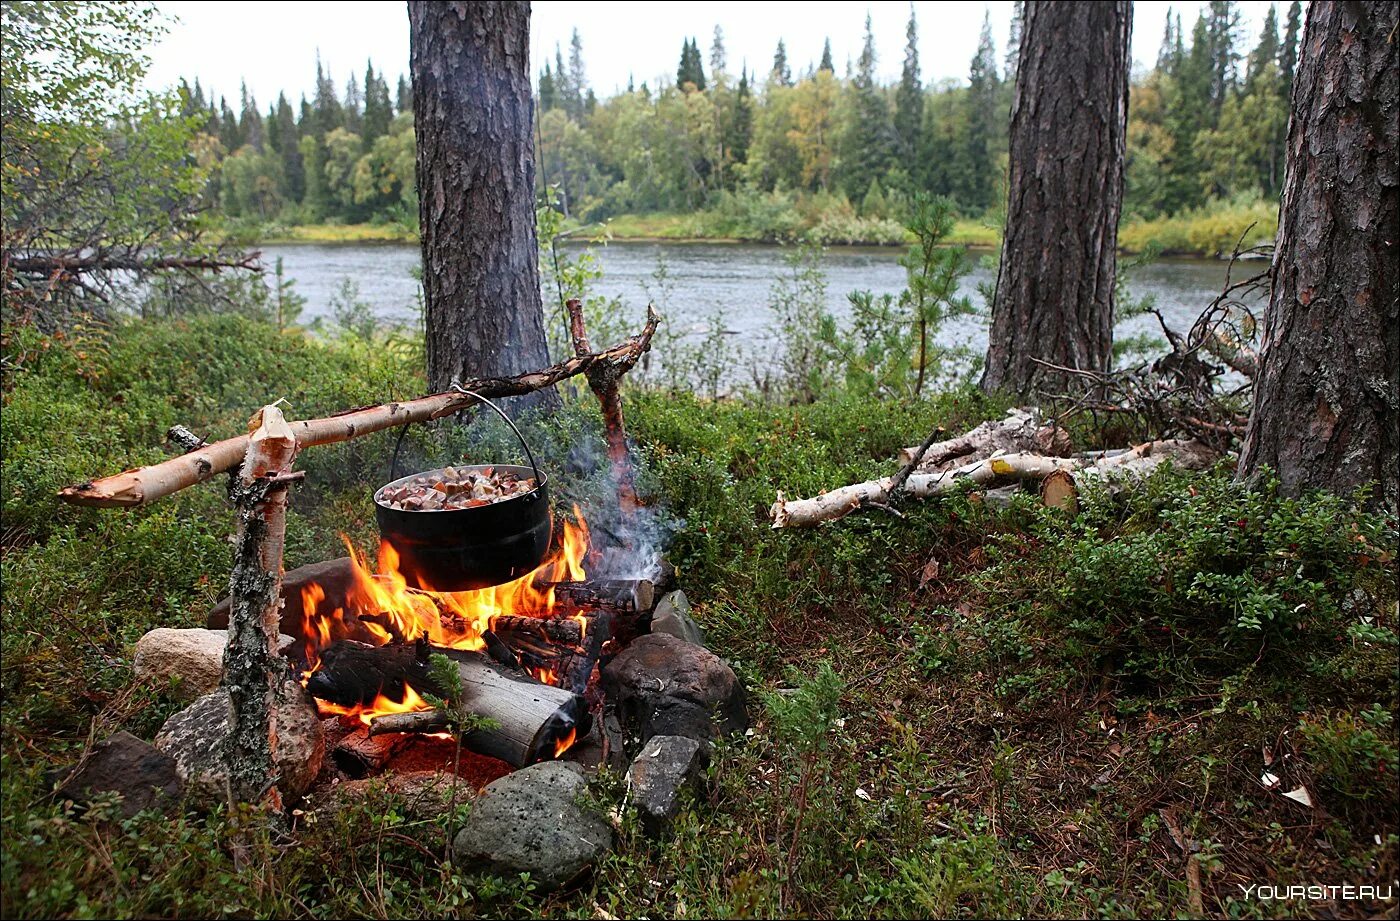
column 274, row 45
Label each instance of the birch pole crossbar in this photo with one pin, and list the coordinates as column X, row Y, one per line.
column 147, row 484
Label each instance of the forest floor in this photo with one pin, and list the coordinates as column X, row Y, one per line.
column 1209, row 233
column 1037, row 715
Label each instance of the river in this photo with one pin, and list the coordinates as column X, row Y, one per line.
column 705, row 281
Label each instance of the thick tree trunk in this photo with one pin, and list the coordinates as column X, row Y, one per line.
column 1325, row 397
column 1054, row 296
column 476, row 180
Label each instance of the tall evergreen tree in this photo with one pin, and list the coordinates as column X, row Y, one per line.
column 781, row 73
column 289, row 149
column 229, row 134
column 1222, row 27
column 250, row 123
column 578, row 79
column 549, row 94
column 984, row 123
column 741, row 121
column 909, row 98
column 1166, row 55
column 869, row 136
column 1263, row 60
column 354, row 105
column 326, row 104
column 691, row 69
column 1013, row 38
column 1287, row 52
column 379, row 111
column 826, row 64
column 403, row 97
column 718, row 62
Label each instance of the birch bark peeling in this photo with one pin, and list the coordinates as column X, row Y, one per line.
column 251, row 663
column 1071, row 473
column 143, row 485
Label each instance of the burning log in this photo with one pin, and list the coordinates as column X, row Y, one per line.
column 622, row 596
column 363, row 752
column 532, row 719
column 146, row 484
column 1121, row 469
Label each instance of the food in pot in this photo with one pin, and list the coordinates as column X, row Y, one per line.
column 449, row 488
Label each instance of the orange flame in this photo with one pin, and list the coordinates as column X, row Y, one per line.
column 567, row 742
column 380, row 706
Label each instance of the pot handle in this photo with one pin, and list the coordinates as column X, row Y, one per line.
column 500, row 412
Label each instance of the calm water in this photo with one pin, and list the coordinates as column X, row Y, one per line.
column 705, row 281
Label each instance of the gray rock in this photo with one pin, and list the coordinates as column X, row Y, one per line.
column 672, row 616
column 191, row 659
column 666, row 766
column 145, row 777
column 531, row 822
column 662, row 685
column 195, row 736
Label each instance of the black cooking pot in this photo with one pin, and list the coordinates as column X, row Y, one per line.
column 456, row 550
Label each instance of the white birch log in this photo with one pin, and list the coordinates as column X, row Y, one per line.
column 1019, row 433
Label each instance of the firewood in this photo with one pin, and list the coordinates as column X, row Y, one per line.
column 363, row 753
column 1020, row 432
column 1118, row 472
column 415, row 721
column 146, row 484
column 529, row 716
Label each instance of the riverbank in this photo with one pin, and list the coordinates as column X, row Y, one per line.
column 1208, row 233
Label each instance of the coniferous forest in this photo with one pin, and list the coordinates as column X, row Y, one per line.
column 782, row 151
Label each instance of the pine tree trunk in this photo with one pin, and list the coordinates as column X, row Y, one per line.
column 1326, row 396
column 476, row 180
column 1054, row 295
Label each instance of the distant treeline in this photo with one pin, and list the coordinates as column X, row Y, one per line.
column 779, row 154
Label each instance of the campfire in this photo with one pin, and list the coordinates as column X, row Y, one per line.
column 527, row 652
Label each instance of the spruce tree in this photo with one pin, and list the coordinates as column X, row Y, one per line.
column 578, row 79
column 1287, row 52
column 326, row 104
column 229, row 134
column 548, row 93
column 826, row 64
column 1166, row 55
column 718, row 63
column 404, row 96
column 1013, row 38
column 378, row 109
column 781, row 73
column 983, row 123
column 289, row 149
column 250, row 124
column 741, row 122
column 354, row 106
column 1222, row 26
column 909, row 98
column 869, row 137
column 1264, row 58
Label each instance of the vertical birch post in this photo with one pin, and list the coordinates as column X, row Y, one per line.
column 252, row 668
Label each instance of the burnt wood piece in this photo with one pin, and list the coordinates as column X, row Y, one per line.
column 361, row 754
column 529, row 716
column 581, row 668
column 564, row 630
column 497, row 649
column 620, row 595
column 356, row 673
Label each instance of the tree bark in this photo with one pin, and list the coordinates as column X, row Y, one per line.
column 1054, row 294
column 476, row 179
column 1325, row 396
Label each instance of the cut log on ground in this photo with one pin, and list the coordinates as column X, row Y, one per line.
column 363, row 753
column 531, row 718
column 1119, row 472
column 1019, row 433
column 997, row 470
column 146, row 484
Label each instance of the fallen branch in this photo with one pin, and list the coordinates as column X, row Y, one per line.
column 1020, row 432
column 77, row 265
column 146, row 484
column 1003, row 468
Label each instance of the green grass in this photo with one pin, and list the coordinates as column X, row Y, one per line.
column 1211, row 231
column 1015, row 735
